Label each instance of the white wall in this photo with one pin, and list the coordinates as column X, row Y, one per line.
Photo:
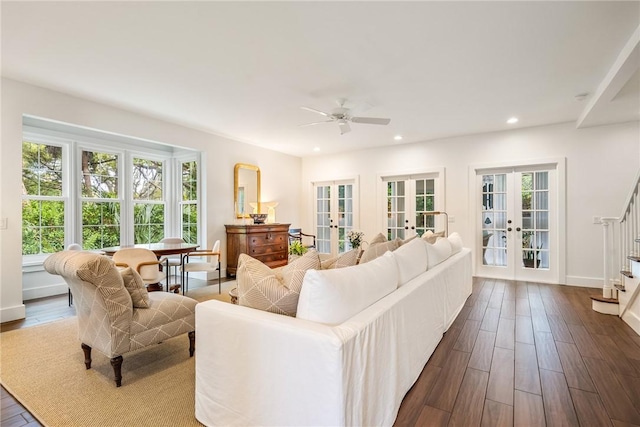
column 221, row 156
column 601, row 164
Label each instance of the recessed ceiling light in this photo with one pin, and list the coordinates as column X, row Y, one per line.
column 398, row 137
column 316, row 148
column 512, row 120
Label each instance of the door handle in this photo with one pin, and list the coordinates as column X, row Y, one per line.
column 406, row 227
column 518, row 229
column 413, row 228
column 509, row 229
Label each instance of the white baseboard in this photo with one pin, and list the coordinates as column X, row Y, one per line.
column 588, row 282
column 632, row 320
column 8, row 314
column 44, row 291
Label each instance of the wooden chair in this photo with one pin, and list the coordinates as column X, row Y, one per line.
column 202, row 260
column 297, row 234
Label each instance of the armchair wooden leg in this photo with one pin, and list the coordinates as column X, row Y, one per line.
column 116, row 362
column 87, row 355
column 192, row 343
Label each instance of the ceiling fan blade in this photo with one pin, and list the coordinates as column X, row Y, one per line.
column 316, row 111
column 316, row 123
column 370, row 120
column 344, row 127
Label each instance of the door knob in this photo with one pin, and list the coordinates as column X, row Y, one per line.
column 509, row 229
column 518, row 229
column 406, row 227
column 413, row 228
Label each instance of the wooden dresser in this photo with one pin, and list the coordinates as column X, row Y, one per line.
column 268, row 243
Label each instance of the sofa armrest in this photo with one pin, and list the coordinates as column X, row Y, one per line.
column 255, row 367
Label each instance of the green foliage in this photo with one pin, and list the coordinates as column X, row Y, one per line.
column 43, row 209
column 297, row 248
column 99, row 175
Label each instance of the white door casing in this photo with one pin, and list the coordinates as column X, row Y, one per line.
column 518, row 220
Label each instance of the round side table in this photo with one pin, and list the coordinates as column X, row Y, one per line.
column 233, row 293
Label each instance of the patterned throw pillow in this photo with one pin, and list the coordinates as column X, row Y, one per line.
column 378, row 246
column 134, row 284
column 274, row 290
column 431, row 237
column 346, row 259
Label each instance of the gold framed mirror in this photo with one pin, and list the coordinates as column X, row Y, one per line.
column 246, row 189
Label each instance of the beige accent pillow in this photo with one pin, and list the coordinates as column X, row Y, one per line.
column 346, row 259
column 378, row 247
column 134, row 284
column 431, row 237
column 274, row 290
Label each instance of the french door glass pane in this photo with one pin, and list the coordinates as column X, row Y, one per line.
column 494, row 224
column 535, row 219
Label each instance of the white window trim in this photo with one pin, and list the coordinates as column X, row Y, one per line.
column 73, row 145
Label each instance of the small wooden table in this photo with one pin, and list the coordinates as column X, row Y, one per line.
column 160, row 249
column 233, row 293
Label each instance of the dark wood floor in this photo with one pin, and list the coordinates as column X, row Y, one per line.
column 528, row 354
column 522, row 354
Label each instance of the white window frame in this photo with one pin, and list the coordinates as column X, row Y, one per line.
column 73, row 145
column 65, row 144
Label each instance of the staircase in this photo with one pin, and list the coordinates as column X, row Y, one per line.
column 620, row 293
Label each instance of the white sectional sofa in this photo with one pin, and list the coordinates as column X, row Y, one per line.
column 343, row 368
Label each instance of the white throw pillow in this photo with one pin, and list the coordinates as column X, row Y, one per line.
column 411, row 259
column 333, row 296
column 438, row 251
column 456, row 243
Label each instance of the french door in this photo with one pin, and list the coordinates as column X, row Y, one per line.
column 407, row 200
column 335, row 213
column 518, row 223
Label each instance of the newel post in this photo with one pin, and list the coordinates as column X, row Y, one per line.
column 607, row 290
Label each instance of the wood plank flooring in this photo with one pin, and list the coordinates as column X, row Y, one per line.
column 529, row 354
column 518, row 354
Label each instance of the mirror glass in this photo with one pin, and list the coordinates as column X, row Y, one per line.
column 246, row 195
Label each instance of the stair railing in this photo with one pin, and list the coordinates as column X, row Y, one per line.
column 620, row 242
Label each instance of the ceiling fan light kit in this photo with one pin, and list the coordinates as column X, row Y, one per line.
column 342, row 117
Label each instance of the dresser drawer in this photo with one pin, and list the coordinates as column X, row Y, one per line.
column 261, row 239
column 254, row 251
column 274, row 258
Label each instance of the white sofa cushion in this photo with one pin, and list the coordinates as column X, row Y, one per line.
column 333, row 296
column 411, row 259
column 456, row 243
column 438, row 251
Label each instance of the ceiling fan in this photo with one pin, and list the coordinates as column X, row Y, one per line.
column 343, row 116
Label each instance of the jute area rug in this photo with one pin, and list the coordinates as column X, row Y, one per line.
column 43, row 368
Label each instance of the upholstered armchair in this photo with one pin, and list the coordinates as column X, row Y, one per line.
column 116, row 314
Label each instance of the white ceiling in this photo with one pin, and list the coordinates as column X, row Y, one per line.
column 243, row 69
